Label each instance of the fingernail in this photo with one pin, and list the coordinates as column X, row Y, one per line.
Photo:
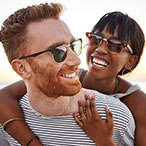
column 92, row 97
column 107, row 107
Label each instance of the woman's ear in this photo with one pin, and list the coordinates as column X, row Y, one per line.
column 132, row 61
column 22, row 68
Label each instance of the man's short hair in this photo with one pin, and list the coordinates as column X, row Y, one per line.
column 13, row 34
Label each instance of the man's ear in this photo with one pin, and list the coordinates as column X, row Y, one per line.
column 132, row 61
column 22, row 68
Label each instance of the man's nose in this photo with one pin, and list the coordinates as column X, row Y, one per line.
column 72, row 58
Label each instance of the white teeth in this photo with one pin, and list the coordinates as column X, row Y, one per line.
column 69, row 75
column 99, row 62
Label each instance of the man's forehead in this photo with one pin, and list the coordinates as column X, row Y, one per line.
column 48, row 32
column 51, row 25
column 50, row 29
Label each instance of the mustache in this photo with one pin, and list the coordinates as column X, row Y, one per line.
column 69, row 69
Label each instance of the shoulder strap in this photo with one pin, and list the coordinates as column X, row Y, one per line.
column 131, row 90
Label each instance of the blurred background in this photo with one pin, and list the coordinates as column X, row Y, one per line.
column 80, row 15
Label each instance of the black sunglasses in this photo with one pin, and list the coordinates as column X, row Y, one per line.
column 114, row 45
column 60, row 52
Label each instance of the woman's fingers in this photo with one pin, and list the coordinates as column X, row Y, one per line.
column 87, row 106
column 77, row 119
column 109, row 117
column 81, row 111
column 94, row 111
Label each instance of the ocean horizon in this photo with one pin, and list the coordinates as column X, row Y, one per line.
column 141, row 83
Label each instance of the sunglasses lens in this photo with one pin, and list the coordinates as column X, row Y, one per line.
column 115, row 46
column 94, row 39
column 59, row 53
column 77, row 46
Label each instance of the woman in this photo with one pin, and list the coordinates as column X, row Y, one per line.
column 114, row 48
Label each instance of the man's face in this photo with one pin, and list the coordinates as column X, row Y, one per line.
column 52, row 78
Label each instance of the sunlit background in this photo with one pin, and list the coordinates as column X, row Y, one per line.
column 80, row 15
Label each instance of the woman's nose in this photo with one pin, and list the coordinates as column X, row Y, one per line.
column 102, row 48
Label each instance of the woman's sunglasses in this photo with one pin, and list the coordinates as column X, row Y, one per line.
column 60, row 52
column 114, row 45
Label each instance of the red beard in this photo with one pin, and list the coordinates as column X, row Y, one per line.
column 49, row 83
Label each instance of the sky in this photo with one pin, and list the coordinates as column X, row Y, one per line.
column 80, row 16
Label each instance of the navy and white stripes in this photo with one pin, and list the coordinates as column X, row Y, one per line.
column 63, row 130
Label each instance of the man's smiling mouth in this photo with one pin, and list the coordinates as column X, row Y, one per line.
column 71, row 75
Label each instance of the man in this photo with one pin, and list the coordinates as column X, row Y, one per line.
column 42, row 50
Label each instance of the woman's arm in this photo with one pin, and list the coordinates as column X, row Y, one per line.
column 9, row 96
column 137, row 105
column 10, row 108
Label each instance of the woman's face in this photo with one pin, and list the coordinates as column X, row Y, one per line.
column 102, row 63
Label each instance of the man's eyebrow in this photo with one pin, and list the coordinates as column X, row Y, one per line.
column 55, row 44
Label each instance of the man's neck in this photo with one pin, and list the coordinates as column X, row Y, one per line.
column 58, row 106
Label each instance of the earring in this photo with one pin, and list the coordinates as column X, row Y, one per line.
column 129, row 74
column 123, row 72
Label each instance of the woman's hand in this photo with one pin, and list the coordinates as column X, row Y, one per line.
column 100, row 131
